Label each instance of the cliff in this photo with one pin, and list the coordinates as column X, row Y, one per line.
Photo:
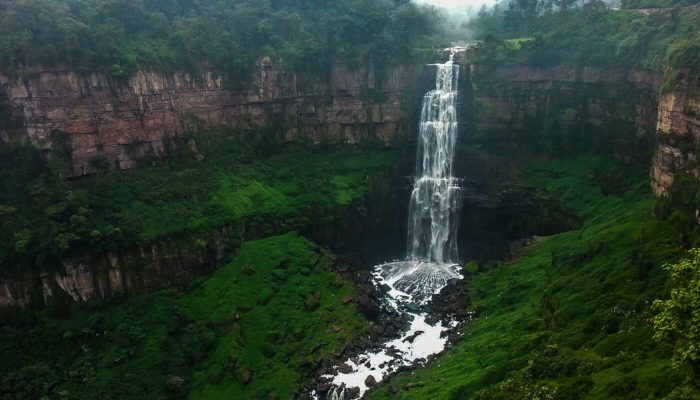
column 92, row 116
column 678, row 134
column 565, row 108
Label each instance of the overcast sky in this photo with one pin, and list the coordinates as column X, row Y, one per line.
column 456, row 3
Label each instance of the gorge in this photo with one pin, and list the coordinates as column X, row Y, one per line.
column 311, row 199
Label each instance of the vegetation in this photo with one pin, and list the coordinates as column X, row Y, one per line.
column 268, row 191
column 678, row 318
column 657, row 3
column 589, row 35
column 571, row 318
column 253, row 329
column 120, row 36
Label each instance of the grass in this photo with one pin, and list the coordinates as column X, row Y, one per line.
column 570, row 318
column 269, row 317
column 293, row 185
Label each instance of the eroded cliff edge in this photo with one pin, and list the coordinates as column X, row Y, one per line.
column 95, row 117
column 678, row 131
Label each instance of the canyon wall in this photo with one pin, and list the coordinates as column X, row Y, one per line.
column 95, row 118
column 566, row 109
column 556, row 109
column 678, row 134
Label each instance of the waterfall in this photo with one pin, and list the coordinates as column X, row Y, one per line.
column 435, row 199
column 431, row 261
column 434, row 206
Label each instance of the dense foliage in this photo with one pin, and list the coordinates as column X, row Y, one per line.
column 46, row 219
column 253, row 329
column 679, row 316
column 589, row 35
column 122, row 35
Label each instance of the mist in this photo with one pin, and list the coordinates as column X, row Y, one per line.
column 457, row 14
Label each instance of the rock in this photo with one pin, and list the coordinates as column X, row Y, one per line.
column 354, row 392
column 336, row 329
column 370, row 381
column 322, row 388
column 344, row 368
column 393, row 389
column 413, row 337
column 244, row 376
column 273, row 396
column 363, row 276
column 376, row 331
column 174, row 383
column 413, row 307
column 368, row 306
column 347, row 299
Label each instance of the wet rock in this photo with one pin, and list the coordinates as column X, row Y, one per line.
column 411, row 338
column 393, row 352
column 370, row 381
column 363, row 276
column 344, row 368
column 376, row 331
column 369, row 307
column 413, row 307
column 354, row 392
column 322, row 388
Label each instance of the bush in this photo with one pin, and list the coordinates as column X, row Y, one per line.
column 678, row 318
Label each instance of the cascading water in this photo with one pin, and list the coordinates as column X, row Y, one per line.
column 432, row 249
column 435, row 200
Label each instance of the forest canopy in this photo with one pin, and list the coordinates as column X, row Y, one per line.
column 123, row 35
column 589, row 33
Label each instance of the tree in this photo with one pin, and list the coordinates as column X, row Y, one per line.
column 678, row 318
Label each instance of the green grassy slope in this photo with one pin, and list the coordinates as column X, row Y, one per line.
column 570, row 318
column 250, row 330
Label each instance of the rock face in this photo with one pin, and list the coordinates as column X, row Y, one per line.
column 561, row 107
column 165, row 263
column 624, row 110
column 678, row 134
column 94, row 118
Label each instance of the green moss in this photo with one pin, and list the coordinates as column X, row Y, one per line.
column 250, row 318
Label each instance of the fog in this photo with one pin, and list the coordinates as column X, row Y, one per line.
column 457, row 14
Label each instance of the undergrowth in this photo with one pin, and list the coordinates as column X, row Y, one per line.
column 251, row 330
column 46, row 219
